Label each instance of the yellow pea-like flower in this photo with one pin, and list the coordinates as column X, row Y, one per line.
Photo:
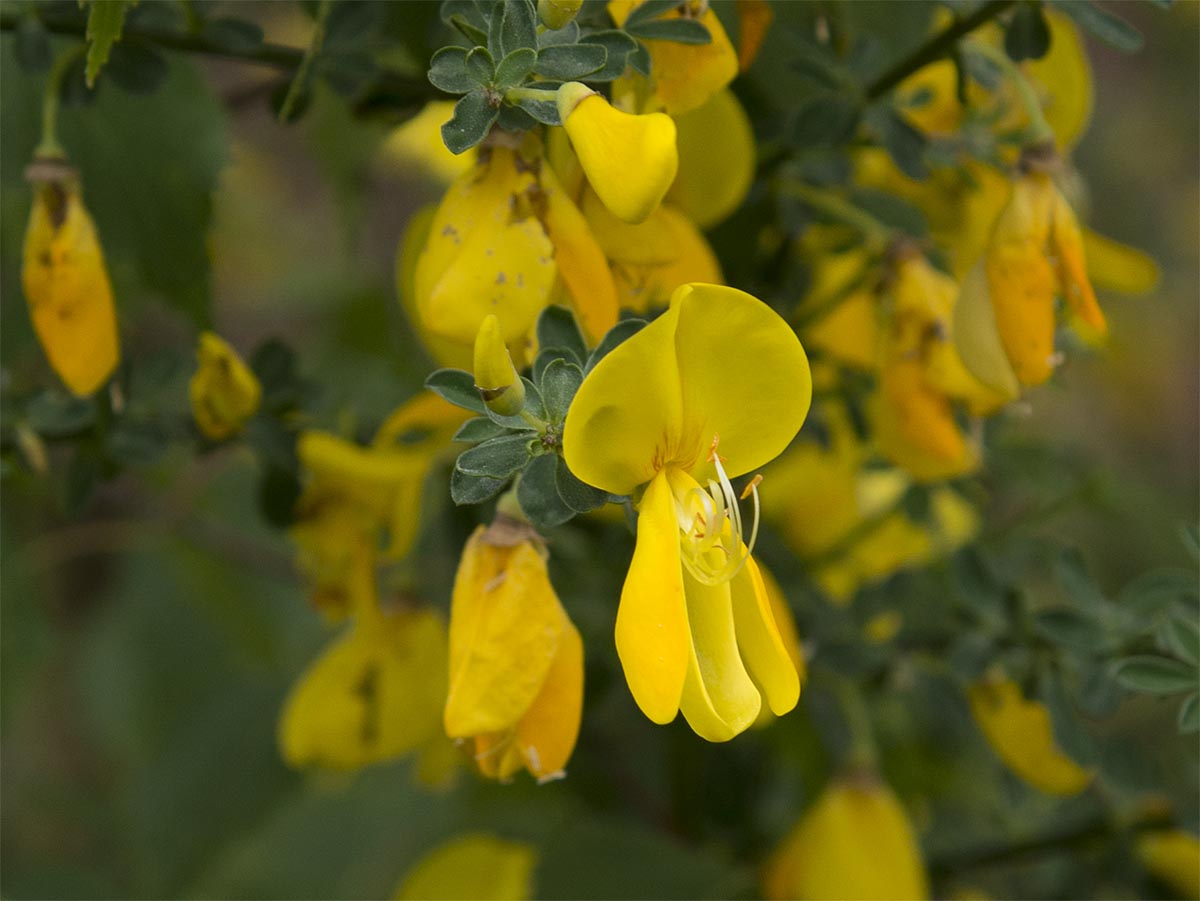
column 66, row 285
column 477, row 866
column 855, row 843
column 516, row 659
column 418, row 143
column 496, row 378
column 630, row 160
column 1172, row 855
column 1020, row 732
column 374, row 694
column 714, row 388
column 714, row 176
column 224, row 391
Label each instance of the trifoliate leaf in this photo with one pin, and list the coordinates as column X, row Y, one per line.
column 557, row 327
column 448, row 71
column 456, row 386
column 472, row 120
column 106, row 18
column 498, row 458
column 537, row 493
column 571, row 62
column 1156, row 675
column 515, row 68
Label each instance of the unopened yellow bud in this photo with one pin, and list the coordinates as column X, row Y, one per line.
column 495, row 376
column 629, row 160
column 66, row 282
column 557, row 14
column 224, row 391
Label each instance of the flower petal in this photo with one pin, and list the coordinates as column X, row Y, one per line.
column 653, row 638
column 760, row 641
column 714, row 176
column 547, row 732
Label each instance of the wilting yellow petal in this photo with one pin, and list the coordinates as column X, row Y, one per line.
column 374, row 694
column 67, row 288
column 1172, row 855
column 784, row 621
column 480, row 867
column 1113, row 266
column 630, row 160
column 1067, row 244
column 719, row 699
column 1020, row 732
column 915, row 425
column 547, row 732
column 408, row 252
column 684, row 76
column 855, row 842
column 224, row 391
column 977, row 337
column 419, row 142
column 1064, row 79
column 652, row 633
column 1021, row 284
column 714, row 175
column 760, row 641
column 754, row 20
column 505, row 623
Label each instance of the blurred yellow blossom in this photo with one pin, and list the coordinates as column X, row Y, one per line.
column 224, row 391
column 477, row 866
column 1172, row 855
column 516, row 659
column 714, row 176
column 418, row 142
column 855, row 842
column 710, row 390
column 66, row 281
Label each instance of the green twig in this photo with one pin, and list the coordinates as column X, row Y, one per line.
column 300, row 79
column 51, row 98
column 836, row 207
column 938, row 46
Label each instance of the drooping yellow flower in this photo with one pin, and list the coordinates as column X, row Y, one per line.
column 1020, row 732
column 1036, row 253
column 66, row 282
column 854, row 844
column 224, row 391
column 516, row 659
column 630, row 161
column 715, row 387
column 683, row 76
column 653, row 258
column 714, row 175
column 1172, row 855
column 507, row 240
column 374, row 694
column 477, row 866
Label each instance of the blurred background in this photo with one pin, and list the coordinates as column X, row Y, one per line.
column 151, row 624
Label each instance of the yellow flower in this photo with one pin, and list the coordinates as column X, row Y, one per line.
column 1036, row 252
column 855, row 842
column 477, row 866
column 653, row 258
column 507, row 240
column 374, row 694
column 684, row 76
column 496, row 379
column 1020, row 732
column 418, row 142
column 849, row 329
column 1172, row 855
column 714, row 175
column 224, row 392
column 630, row 161
column 754, row 20
column 715, row 387
column 516, row 660
column 66, row 282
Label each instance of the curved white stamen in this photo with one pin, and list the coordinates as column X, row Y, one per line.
column 714, row 541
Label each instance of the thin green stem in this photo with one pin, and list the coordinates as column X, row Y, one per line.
column 836, row 207
column 1040, row 131
column 513, row 94
column 51, row 98
column 935, row 48
column 540, row 424
column 300, row 79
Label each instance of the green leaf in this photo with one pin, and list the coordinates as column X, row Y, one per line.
column 616, row 336
column 681, row 31
column 56, row 414
column 1111, row 29
column 456, row 386
column 557, row 327
column 1064, row 626
column 135, row 443
column 470, row 124
column 518, row 26
column 570, row 62
column 639, row 60
column 1183, row 638
column 448, row 71
column 1072, row 574
column 498, row 458
column 537, row 493
column 1156, row 675
column 1189, row 532
column 1152, row 592
column 544, row 111
column 137, row 67
column 479, row 429
column 904, row 144
column 106, row 18
column 826, row 119
column 568, row 34
column 576, row 494
column 468, row 489
column 650, row 9
column 1028, row 34
column 558, row 384
column 515, row 68
column 619, row 46
column 1189, row 715
column 471, row 32
column 480, row 65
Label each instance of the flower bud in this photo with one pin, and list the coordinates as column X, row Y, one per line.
column 224, row 391
column 66, row 282
column 557, row 14
column 629, row 160
column 496, row 378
